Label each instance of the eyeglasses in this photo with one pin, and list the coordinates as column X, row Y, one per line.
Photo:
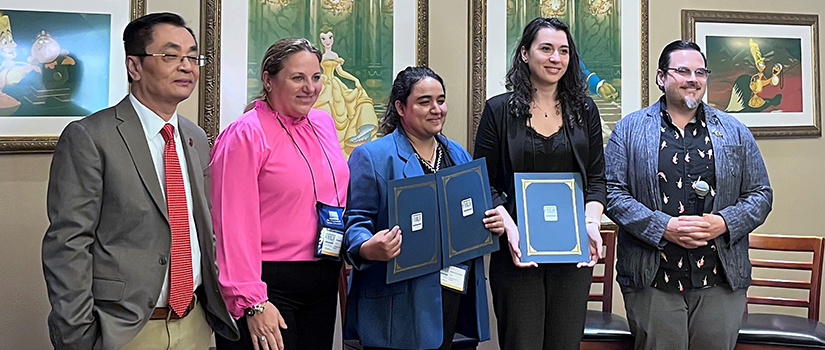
column 685, row 72
column 199, row 60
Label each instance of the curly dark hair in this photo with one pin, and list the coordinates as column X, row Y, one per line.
column 572, row 92
column 401, row 88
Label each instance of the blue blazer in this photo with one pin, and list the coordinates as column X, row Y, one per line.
column 406, row 314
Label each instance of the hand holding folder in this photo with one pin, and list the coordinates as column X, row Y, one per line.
column 513, row 239
column 383, row 246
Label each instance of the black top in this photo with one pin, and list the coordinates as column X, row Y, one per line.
column 684, row 158
column 442, row 159
column 500, row 137
column 547, row 154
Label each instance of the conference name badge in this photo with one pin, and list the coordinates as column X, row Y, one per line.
column 330, row 231
column 455, row 278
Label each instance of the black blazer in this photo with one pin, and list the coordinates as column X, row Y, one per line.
column 498, row 129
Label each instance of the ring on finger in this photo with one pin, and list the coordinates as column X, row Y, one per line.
column 263, row 338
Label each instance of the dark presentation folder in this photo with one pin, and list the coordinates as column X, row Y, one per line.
column 464, row 196
column 551, row 214
column 413, row 206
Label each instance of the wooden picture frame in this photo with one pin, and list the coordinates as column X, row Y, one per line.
column 765, row 68
column 38, row 129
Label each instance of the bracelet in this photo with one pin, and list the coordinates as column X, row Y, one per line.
column 255, row 309
column 591, row 220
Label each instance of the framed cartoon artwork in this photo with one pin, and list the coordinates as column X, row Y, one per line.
column 764, row 68
column 59, row 61
column 364, row 43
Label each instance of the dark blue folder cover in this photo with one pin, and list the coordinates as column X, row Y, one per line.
column 551, row 217
column 464, row 196
column 414, row 199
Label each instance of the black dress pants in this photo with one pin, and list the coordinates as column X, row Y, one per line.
column 306, row 294
column 538, row 308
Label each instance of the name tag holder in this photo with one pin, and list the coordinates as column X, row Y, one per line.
column 455, row 278
column 330, row 231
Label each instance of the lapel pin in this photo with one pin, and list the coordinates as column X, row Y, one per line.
column 191, row 143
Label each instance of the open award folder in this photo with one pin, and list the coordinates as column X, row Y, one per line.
column 551, row 224
column 440, row 216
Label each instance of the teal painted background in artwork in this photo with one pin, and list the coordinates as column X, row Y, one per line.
column 363, row 38
column 62, row 63
column 597, row 37
column 357, row 70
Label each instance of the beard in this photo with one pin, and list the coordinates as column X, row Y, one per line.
column 691, row 103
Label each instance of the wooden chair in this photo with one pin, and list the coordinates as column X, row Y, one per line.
column 603, row 329
column 777, row 331
column 460, row 342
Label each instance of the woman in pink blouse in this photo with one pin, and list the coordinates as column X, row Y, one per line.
column 275, row 171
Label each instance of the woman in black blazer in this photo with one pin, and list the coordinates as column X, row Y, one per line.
column 546, row 123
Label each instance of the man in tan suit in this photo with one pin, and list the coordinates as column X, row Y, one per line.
column 129, row 256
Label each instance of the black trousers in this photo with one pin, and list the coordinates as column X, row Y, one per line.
column 305, row 292
column 538, row 308
column 450, row 303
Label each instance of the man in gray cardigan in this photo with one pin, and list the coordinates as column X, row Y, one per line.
column 686, row 184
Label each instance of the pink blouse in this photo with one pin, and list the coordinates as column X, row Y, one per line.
column 262, row 195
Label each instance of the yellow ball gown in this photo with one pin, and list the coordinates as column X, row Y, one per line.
column 352, row 109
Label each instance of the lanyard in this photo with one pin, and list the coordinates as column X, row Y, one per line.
column 314, row 189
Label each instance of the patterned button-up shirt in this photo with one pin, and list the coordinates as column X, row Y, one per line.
column 686, row 157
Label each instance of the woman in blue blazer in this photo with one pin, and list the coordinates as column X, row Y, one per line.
column 416, row 313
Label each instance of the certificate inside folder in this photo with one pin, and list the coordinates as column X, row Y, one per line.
column 413, row 206
column 550, row 209
column 464, row 196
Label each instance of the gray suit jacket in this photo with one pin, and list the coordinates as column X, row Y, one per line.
column 106, row 250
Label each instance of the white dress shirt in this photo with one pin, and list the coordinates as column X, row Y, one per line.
column 152, row 124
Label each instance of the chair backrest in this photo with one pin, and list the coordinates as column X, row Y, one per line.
column 813, row 245
column 343, row 288
column 606, row 277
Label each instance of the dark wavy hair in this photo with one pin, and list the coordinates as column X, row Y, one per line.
column 571, row 89
column 273, row 61
column 401, row 89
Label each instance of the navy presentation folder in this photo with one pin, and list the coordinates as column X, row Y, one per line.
column 413, row 206
column 440, row 216
column 464, row 196
column 551, row 221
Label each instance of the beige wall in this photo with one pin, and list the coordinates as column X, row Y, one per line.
column 23, row 178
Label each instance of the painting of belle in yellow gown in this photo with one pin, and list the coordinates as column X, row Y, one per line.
column 352, row 109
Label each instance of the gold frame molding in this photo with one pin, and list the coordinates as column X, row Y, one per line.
column 691, row 17
column 478, row 63
column 46, row 144
column 210, row 32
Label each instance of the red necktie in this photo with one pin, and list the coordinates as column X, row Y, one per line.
column 180, row 269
